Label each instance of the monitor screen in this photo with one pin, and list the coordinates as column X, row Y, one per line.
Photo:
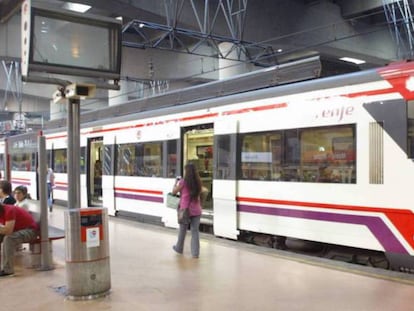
column 74, row 45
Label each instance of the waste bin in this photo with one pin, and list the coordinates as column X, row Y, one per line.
column 87, row 253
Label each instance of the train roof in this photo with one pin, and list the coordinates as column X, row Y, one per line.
column 274, row 81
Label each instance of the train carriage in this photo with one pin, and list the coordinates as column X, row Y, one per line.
column 327, row 160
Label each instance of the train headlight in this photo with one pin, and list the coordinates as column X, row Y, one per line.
column 409, row 84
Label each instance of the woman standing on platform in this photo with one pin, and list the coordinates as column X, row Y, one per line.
column 190, row 189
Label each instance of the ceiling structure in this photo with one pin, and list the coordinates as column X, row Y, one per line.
column 168, row 44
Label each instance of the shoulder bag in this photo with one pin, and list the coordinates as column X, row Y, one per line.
column 183, row 215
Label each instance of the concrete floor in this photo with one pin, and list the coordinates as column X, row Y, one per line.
column 147, row 275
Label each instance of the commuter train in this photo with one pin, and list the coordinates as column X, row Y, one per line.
column 328, row 160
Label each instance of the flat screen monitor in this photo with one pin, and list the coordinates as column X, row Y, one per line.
column 68, row 43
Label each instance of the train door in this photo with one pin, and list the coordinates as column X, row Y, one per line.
column 225, row 181
column 94, row 171
column 198, row 148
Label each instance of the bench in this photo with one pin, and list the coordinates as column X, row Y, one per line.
column 35, row 246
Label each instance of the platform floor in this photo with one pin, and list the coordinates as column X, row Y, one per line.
column 147, row 275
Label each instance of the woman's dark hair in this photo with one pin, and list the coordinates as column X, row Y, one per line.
column 5, row 186
column 22, row 189
column 193, row 181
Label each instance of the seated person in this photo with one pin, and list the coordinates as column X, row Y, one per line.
column 16, row 226
column 22, row 197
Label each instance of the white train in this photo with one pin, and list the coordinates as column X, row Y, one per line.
column 327, row 160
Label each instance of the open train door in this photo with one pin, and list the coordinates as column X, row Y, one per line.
column 224, row 179
column 94, row 172
column 198, row 148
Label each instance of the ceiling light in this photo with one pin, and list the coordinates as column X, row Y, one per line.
column 279, row 50
column 353, row 60
column 76, row 7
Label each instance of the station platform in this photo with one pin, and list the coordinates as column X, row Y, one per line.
column 146, row 274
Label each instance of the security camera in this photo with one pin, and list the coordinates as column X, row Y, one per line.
column 80, row 91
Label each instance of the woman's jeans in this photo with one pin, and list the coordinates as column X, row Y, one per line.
column 9, row 246
column 49, row 196
column 195, row 237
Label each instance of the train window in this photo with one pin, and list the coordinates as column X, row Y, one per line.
column 151, row 160
column 172, row 158
column 22, row 162
column 256, row 156
column 107, row 163
column 143, row 159
column 410, row 134
column 276, row 148
column 325, row 154
column 82, row 166
column 49, row 158
column 291, row 156
column 60, row 160
column 126, row 159
column 328, row 154
column 224, row 152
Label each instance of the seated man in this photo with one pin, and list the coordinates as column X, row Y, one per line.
column 16, row 226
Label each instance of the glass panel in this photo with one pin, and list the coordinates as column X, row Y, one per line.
column 223, row 157
column 107, row 160
column 126, row 160
column 276, row 141
column 410, row 134
column 308, row 155
column 172, row 158
column 63, row 41
column 82, row 160
column 152, row 159
column 256, row 156
column 22, row 162
column 410, row 129
column 49, row 158
column 328, row 154
column 291, row 156
column 60, row 161
column 140, row 159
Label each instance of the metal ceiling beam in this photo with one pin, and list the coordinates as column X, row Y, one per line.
column 14, row 85
column 8, row 8
column 170, row 37
column 401, row 25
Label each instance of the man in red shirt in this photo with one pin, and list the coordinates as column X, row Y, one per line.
column 16, row 226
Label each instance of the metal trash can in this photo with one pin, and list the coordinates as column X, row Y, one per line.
column 87, row 253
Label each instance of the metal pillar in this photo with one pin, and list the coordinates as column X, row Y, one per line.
column 87, row 244
column 73, row 122
column 45, row 259
column 7, row 169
